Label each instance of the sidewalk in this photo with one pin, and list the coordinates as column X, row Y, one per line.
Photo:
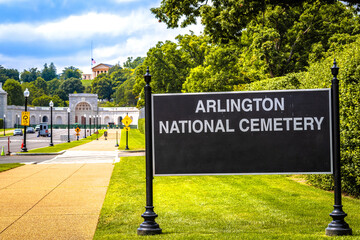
column 54, row 201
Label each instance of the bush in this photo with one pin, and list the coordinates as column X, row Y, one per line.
column 1, row 123
column 141, row 125
column 319, row 76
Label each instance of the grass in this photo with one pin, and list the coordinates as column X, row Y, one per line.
column 86, row 83
column 136, row 140
column 8, row 166
column 64, row 146
column 219, row 207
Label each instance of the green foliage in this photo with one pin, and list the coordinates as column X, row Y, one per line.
column 319, row 76
column 53, row 85
column 40, row 83
column 133, row 63
column 71, row 72
column 8, row 73
column 49, row 73
column 102, row 86
column 71, row 85
column 15, row 94
column 43, row 100
column 124, row 96
column 30, row 75
column 1, row 123
column 141, row 125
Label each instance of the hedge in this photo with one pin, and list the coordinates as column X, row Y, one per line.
column 319, row 76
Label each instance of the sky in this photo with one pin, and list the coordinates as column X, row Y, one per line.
column 35, row 32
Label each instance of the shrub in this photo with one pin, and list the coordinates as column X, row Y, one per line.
column 141, row 125
column 319, row 76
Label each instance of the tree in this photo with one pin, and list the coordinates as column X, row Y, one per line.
column 49, row 73
column 71, row 85
column 61, row 94
column 15, row 93
column 124, row 95
column 30, row 75
column 133, row 63
column 8, row 73
column 58, row 102
column 71, row 72
column 53, row 85
column 40, row 83
column 275, row 37
column 43, row 100
column 102, row 86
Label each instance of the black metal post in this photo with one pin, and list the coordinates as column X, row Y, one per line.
column 85, row 126
column 90, row 125
column 24, row 149
column 127, row 138
column 149, row 226
column 51, row 127
column 338, row 226
column 68, row 126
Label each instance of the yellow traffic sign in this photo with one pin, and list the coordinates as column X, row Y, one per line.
column 126, row 121
column 77, row 130
column 25, row 118
column 127, row 129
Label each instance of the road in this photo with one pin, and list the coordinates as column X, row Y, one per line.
column 32, row 141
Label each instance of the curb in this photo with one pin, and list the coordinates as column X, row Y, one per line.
column 130, row 151
column 35, row 154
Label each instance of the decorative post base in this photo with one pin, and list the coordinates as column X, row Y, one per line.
column 338, row 226
column 24, row 149
column 149, row 226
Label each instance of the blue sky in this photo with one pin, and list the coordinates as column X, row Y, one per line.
column 35, row 32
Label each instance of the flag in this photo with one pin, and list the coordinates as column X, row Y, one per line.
column 93, row 61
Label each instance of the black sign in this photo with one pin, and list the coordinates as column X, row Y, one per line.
column 268, row 132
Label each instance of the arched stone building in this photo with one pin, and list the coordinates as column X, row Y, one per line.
column 83, row 109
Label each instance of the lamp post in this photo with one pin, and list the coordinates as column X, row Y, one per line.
column 51, row 104
column 26, row 95
column 68, row 111
column 100, row 120
column 85, row 124
column 4, row 123
column 90, row 124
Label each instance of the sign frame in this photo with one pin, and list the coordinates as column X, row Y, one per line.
column 330, row 123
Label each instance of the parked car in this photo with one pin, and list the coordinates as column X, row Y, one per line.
column 30, row 130
column 37, row 128
column 18, row 132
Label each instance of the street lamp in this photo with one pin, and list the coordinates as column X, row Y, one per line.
column 26, row 95
column 51, row 104
column 85, row 124
column 97, row 122
column 4, row 123
column 68, row 111
column 90, row 124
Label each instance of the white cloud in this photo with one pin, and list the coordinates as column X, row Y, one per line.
column 129, row 35
column 79, row 27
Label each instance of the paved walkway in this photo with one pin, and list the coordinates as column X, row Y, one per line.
column 57, row 201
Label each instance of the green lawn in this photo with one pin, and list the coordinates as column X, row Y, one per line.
column 86, row 83
column 136, row 140
column 7, row 166
column 64, row 146
column 219, row 207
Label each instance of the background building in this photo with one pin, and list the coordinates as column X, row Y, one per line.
column 83, row 109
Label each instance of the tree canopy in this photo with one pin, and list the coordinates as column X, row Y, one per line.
column 15, row 92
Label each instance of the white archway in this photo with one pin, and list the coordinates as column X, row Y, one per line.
column 58, row 120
